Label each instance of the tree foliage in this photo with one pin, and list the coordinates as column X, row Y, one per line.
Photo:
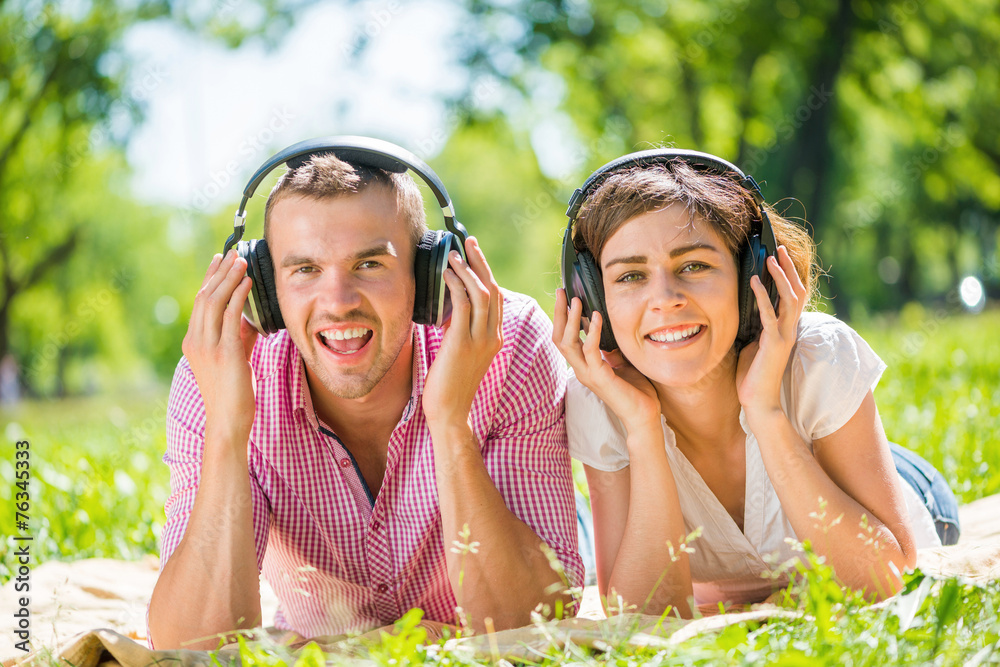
column 878, row 117
column 81, row 264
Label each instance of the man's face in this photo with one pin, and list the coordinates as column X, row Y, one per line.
column 344, row 277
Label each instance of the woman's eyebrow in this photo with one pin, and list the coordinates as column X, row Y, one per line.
column 683, row 250
column 676, row 252
column 633, row 259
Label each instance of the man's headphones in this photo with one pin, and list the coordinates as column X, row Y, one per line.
column 431, row 305
column 581, row 275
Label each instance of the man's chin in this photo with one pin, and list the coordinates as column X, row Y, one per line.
column 346, row 386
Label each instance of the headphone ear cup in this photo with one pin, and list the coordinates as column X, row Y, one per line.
column 252, row 309
column 424, row 264
column 261, row 271
column 593, row 297
column 751, row 263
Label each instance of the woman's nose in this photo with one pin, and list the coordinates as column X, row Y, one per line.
column 667, row 291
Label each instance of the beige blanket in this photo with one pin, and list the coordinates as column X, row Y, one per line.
column 70, row 600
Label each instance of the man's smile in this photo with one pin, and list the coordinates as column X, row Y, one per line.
column 346, row 340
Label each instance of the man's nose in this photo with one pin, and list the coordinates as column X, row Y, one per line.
column 341, row 291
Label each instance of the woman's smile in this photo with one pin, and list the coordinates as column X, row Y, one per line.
column 677, row 335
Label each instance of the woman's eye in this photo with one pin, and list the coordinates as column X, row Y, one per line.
column 629, row 277
column 693, row 267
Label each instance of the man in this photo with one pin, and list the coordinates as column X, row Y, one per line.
column 365, row 464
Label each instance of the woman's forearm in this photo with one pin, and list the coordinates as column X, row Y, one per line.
column 651, row 570
column 863, row 551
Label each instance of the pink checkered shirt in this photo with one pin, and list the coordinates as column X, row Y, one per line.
column 339, row 562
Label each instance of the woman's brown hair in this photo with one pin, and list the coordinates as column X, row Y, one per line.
column 719, row 200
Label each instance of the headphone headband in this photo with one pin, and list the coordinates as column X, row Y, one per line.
column 363, row 151
column 660, row 156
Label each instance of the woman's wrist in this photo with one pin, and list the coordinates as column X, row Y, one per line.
column 766, row 421
column 644, row 436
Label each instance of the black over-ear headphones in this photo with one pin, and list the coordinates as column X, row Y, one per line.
column 581, row 275
column 431, row 304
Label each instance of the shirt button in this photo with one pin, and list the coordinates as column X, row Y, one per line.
column 345, row 463
column 376, row 524
column 382, row 588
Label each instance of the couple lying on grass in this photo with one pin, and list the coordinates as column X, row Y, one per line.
column 368, row 462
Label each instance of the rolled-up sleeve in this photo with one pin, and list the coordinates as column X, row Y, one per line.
column 185, row 447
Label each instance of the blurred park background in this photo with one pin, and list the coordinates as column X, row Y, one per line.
column 128, row 129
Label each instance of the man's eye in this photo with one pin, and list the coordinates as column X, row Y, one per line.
column 369, row 264
column 305, row 269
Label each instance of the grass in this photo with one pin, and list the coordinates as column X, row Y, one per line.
column 940, row 396
column 97, row 490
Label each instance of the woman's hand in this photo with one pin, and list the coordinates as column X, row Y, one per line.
column 762, row 363
column 628, row 393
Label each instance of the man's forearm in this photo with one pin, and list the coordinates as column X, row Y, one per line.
column 508, row 574
column 210, row 585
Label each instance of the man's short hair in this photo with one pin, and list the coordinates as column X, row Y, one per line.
column 326, row 177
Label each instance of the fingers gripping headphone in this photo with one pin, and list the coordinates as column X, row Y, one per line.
column 581, row 275
column 431, row 304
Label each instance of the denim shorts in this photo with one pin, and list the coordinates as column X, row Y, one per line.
column 931, row 487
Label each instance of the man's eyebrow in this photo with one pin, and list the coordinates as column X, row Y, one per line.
column 296, row 260
column 379, row 250
column 676, row 252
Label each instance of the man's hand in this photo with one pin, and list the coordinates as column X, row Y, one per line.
column 472, row 338
column 218, row 345
column 508, row 549
column 209, row 586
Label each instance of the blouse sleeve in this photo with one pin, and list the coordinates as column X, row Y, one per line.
column 831, row 372
column 596, row 435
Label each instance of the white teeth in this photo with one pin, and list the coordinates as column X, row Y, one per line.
column 672, row 336
column 344, row 334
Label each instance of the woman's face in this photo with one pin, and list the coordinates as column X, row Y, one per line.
column 671, row 290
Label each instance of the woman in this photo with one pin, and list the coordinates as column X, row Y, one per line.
column 691, row 419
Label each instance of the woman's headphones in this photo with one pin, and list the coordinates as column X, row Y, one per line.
column 431, row 305
column 581, row 276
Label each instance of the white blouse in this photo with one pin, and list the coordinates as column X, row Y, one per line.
column 829, row 373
